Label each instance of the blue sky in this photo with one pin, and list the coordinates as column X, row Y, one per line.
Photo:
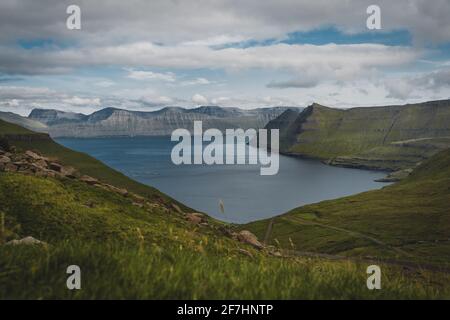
column 230, row 53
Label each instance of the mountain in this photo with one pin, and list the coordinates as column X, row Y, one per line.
column 119, row 122
column 50, row 117
column 144, row 245
column 386, row 138
column 23, row 121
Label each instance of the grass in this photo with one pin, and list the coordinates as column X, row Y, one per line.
column 408, row 221
column 128, row 252
column 115, row 271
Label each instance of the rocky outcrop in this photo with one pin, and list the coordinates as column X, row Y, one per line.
column 31, row 162
column 26, row 241
column 195, row 218
column 248, row 237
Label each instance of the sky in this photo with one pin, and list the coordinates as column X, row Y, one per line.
column 145, row 55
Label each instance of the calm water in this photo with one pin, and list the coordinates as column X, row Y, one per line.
column 246, row 195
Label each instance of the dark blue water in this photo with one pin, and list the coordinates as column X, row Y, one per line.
column 246, row 195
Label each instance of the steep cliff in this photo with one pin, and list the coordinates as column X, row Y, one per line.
column 118, row 122
column 390, row 137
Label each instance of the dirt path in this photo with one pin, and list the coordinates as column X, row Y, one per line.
column 405, row 264
column 352, row 233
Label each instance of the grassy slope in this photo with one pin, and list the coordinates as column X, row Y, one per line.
column 408, row 221
column 83, row 162
column 368, row 136
column 129, row 252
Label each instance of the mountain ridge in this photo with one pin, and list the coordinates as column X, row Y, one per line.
column 381, row 138
column 120, row 122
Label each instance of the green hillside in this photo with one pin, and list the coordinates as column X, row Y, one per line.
column 25, row 139
column 391, row 137
column 407, row 221
column 127, row 250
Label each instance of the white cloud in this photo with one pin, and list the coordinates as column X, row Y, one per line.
column 329, row 61
column 215, row 22
column 77, row 101
column 149, row 75
column 418, row 84
column 105, row 83
column 199, row 99
column 196, row 81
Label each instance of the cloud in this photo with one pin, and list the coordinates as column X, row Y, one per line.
column 214, row 22
column 405, row 87
column 149, row 75
column 199, row 99
column 331, row 60
column 105, row 83
column 21, row 99
column 196, row 81
column 77, row 101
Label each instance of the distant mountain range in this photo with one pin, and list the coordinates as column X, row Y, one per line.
column 118, row 122
column 390, row 137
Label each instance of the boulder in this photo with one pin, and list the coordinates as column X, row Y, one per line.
column 177, row 208
column 5, row 159
column 248, row 237
column 33, row 155
column 55, row 166
column 25, row 241
column 10, row 167
column 68, row 172
column 120, row 191
column 138, row 198
column 88, row 180
column 41, row 164
column 195, row 218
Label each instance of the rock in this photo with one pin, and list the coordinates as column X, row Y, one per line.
column 10, row 167
column 55, row 166
column 248, row 237
column 88, row 180
column 68, row 172
column 195, row 218
column 138, row 198
column 26, row 241
column 120, row 191
column 177, row 208
column 5, row 159
column 33, row 155
column 137, row 204
column 41, row 164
